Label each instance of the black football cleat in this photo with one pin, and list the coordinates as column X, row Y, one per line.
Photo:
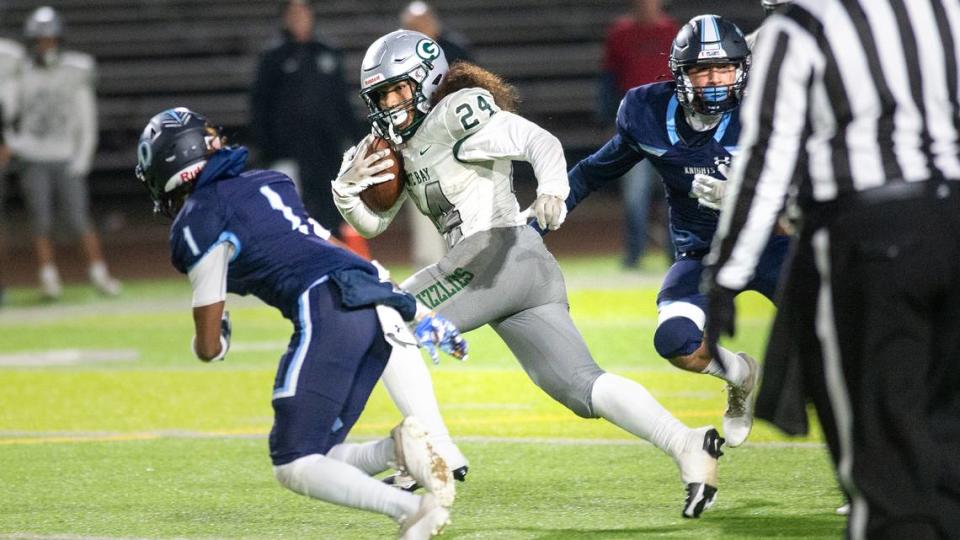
column 698, row 469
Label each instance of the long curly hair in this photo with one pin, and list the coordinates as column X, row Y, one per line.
column 466, row 75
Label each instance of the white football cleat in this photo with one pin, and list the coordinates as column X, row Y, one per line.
column 698, row 469
column 738, row 418
column 843, row 510
column 428, row 522
column 416, row 458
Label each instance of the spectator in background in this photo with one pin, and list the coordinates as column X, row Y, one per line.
column 11, row 54
column 4, row 160
column 420, row 17
column 53, row 109
column 427, row 245
column 635, row 53
column 302, row 118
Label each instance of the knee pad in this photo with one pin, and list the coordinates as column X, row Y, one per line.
column 291, row 475
column 677, row 336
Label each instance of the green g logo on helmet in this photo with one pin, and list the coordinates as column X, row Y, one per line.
column 427, row 49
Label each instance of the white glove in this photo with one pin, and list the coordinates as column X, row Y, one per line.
column 357, row 173
column 550, row 211
column 708, row 190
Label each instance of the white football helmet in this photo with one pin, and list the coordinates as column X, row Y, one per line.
column 398, row 56
column 44, row 22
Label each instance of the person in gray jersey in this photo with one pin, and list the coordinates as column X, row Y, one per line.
column 52, row 131
column 457, row 135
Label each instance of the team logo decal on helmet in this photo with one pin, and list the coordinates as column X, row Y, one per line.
column 427, row 49
column 144, row 155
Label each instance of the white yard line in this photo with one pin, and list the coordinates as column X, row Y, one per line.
column 33, row 536
column 67, row 357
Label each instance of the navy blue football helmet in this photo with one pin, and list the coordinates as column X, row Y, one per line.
column 709, row 39
column 172, row 151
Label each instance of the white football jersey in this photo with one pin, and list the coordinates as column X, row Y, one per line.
column 56, row 111
column 462, row 192
column 459, row 169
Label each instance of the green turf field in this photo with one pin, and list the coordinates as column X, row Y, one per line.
column 110, row 429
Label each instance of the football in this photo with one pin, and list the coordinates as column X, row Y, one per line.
column 381, row 197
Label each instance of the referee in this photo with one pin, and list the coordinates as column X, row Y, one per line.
column 852, row 109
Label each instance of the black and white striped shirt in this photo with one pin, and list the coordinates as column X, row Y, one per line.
column 844, row 96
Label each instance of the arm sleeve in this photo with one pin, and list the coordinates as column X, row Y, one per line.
column 509, row 136
column 774, row 117
column 366, row 221
column 208, row 277
column 86, row 136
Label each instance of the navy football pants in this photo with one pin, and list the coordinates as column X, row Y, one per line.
column 333, row 362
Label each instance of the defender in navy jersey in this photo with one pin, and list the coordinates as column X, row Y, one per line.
column 246, row 232
column 688, row 129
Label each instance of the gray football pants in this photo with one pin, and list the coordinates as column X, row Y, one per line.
column 40, row 182
column 506, row 278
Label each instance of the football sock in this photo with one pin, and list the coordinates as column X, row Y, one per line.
column 731, row 367
column 50, row 281
column 631, row 407
column 372, row 457
column 408, row 382
column 333, row 481
column 98, row 271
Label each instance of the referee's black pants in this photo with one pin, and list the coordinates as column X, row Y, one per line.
column 888, row 324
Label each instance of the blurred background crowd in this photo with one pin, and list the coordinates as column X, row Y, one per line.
column 81, row 78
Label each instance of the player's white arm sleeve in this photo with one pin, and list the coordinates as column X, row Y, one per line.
column 509, row 136
column 86, row 134
column 209, row 276
column 366, row 221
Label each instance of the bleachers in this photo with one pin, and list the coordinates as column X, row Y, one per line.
column 154, row 54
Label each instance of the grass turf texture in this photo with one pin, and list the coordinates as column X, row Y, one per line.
column 165, row 446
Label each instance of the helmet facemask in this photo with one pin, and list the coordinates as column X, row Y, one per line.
column 705, row 41
column 387, row 122
column 711, row 100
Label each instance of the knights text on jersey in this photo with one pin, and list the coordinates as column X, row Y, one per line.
column 279, row 250
column 651, row 125
column 460, row 197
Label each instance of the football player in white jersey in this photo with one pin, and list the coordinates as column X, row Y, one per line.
column 50, row 106
column 457, row 134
